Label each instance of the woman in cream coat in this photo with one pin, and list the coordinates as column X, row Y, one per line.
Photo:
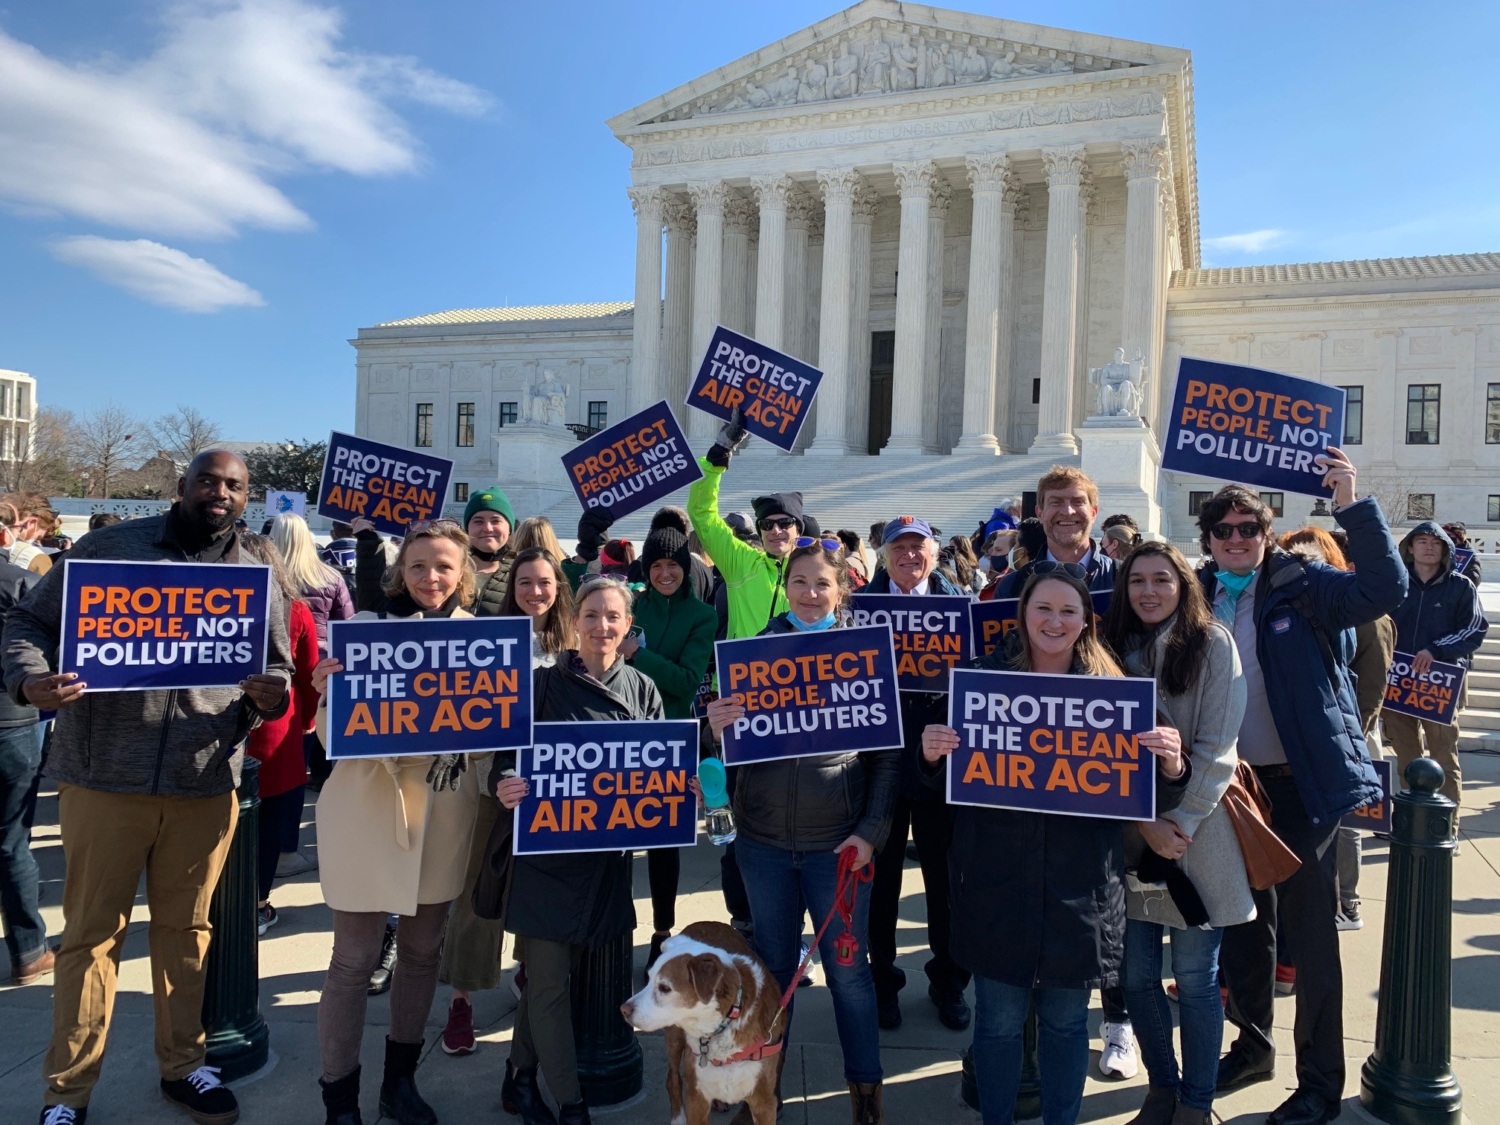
column 393, row 838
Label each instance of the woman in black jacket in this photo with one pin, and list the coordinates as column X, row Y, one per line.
column 1038, row 901
column 795, row 815
column 565, row 904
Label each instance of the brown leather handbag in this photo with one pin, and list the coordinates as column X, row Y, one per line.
column 1268, row 861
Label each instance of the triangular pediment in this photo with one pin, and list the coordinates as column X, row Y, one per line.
column 881, row 49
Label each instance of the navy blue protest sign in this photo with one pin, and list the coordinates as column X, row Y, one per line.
column 1255, row 427
column 413, row 686
column 774, row 390
column 1432, row 695
column 810, row 693
column 608, row 787
column 992, row 621
column 1053, row 744
column 632, row 464
column 1462, row 557
column 932, row 635
column 391, row 487
column 1376, row 816
column 135, row 626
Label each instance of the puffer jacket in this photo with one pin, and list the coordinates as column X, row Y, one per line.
column 678, row 645
column 816, row 803
column 331, row 603
column 1442, row 616
column 753, row 580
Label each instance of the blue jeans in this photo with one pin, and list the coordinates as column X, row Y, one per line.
column 1000, row 1013
column 1200, row 1008
column 20, row 759
column 782, row 885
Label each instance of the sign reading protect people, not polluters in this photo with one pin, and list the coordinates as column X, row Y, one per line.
column 931, row 634
column 1433, row 695
column 774, row 390
column 632, row 464
column 1256, row 427
column 1377, row 816
column 608, row 787
column 1053, row 744
column 391, row 487
column 151, row 626
column 414, row 686
column 810, row 693
column 995, row 620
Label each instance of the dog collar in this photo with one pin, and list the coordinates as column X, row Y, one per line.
column 753, row 1053
column 705, row 1040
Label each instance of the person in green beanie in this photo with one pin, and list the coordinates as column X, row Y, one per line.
column 489, row 520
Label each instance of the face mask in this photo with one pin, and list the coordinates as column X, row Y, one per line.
column 813, row 627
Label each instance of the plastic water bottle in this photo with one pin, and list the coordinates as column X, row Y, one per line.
column 718, row 821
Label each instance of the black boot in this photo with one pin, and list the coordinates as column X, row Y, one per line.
column 519, row 1094
column 341, row 1099
column 1159, row 1107
column 380, row 979
column 575, row 1114
column 399, row 1098
column 867, row 1103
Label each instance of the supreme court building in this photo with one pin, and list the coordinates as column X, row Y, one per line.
column 956, row 218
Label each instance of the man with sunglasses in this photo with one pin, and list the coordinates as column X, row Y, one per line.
column 908, row 566
column 1293, row 624
column 1067, row 501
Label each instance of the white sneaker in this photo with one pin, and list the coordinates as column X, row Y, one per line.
column 1119, row 1058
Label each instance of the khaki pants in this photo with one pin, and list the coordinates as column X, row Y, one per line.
column 108, row 840
column 1409, row 737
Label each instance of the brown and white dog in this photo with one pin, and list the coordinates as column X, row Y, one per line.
column 718, row 1004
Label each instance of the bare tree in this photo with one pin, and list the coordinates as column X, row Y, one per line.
column 185, row 432
column 1393, row 492
column 45, row 463
column 108, row 440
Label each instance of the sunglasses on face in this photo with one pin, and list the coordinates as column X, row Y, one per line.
column 1050, row 566
column 778, row 523
column 1224, row 532
column 826, row 544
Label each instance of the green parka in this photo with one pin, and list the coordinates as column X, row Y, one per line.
column 679, row 644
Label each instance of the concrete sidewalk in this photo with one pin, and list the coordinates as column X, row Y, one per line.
column 921, row 1059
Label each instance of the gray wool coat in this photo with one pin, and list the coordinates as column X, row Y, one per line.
column 1208, row 718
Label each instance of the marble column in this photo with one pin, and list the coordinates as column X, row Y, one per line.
column 988, row 256
column 739, row 215
column 645, row 347
column 916, row 181
column 839, row 188
column 677, row 317
column 866, row 203
column 937, row 228
column 772, row 193
column 794, row 312
column 708, row 281
column 1065, row 169
column 1145, row 164
column 1013, row 213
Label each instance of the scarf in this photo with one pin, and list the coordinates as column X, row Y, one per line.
column 1234, row 586
column 815, row 626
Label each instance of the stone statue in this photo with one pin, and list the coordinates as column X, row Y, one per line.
column 874, row 76
column 904, row 65
column 1003, row 67
column 1120, row 385
column 549, row 401
column 938, row 73
column 845, row 80
column 973, row 67
column 813, row 86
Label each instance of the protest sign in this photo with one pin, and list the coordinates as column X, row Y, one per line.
column 992, row 621
column 1462, row 557
column 135, row 626
column 632, row 464
column 413, row 686
column 931, row 634
column 391, row 487
column 1256, row 427
column 774, row 390
column 810, row 693
column 1432, row 696
column 1053, row 744
column 285, row 503
column 1376, row 816
column 608, row 787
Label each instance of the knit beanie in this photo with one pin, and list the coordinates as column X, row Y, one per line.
column 786, row 503
column 665, row 543
column 490, row 500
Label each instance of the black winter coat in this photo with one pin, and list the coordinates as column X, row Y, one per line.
column 1444, row 616
column 15, row 581
column 581, row 898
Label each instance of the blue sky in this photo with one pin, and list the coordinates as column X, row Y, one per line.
column 201, row 201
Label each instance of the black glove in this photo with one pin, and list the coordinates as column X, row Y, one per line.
column 593, row 530
column 446, row 771
column 732, row 437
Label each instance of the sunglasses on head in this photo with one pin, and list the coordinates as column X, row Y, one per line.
column 777, row 523
column 826, row 544
column 428, row 525
column 1051, row 566
column 1225, row 531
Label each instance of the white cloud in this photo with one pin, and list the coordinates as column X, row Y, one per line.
column 156, row 273
column 1250, row 242
column 188, row 140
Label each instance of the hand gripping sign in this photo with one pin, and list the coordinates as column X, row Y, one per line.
column 413, row 686
column 633, row 464
column 608, row 787
column 810, row 693
column 931, row 635
column 1374, row 817
column 774, row 389
column 1433, row 696
column 1053, row 744
column 996, row 619
column 391, row 487
column 1256, row 427
column 137, row 626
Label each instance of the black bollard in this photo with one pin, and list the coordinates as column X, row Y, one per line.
column 1029, row 1096
column 1408, row 1079
column 238, row 1038
column 610, row 1067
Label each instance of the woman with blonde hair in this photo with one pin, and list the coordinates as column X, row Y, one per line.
column 536, row 531
column 316, row 583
